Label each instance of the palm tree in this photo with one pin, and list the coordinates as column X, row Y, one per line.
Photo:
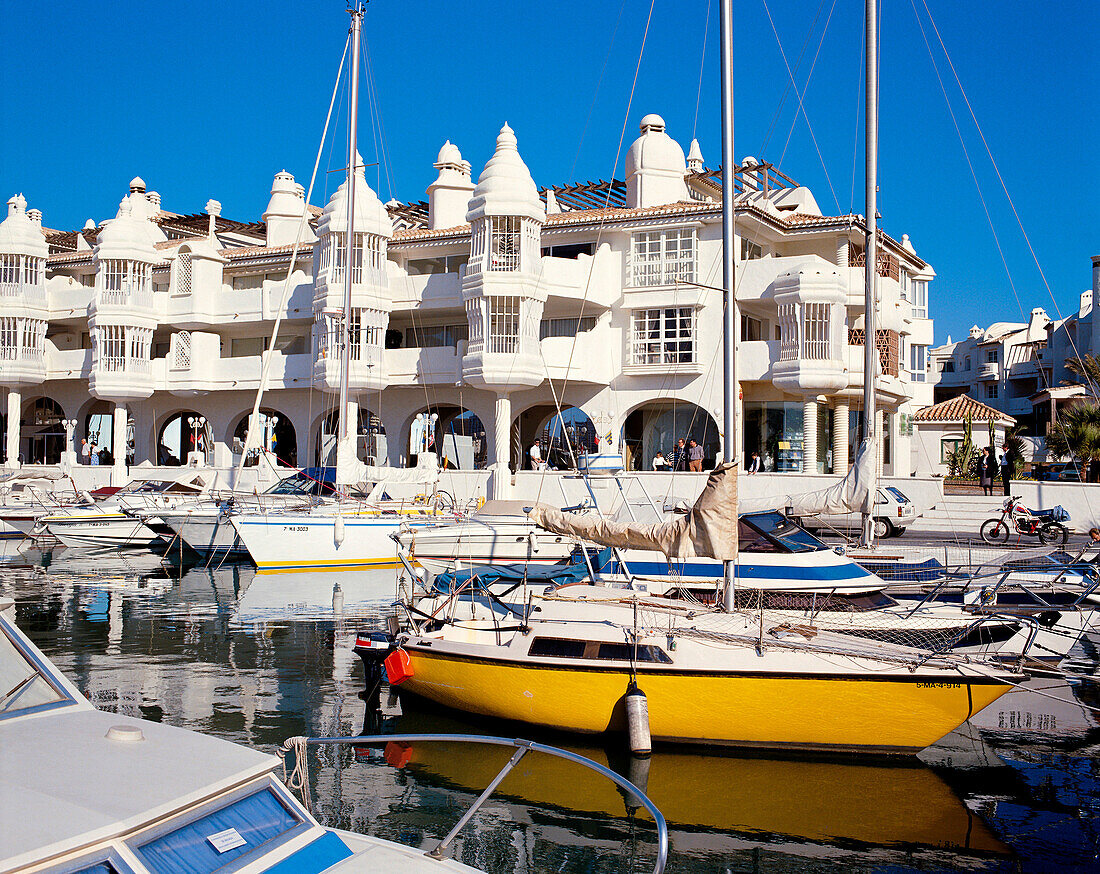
column 1077, row 433
column 1087, row 370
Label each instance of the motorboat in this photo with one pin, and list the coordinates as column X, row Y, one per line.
column 79, row 795
column 498, row 532
column 112, row 520
column 568, row 658
column 25, row 496
column 204, row 527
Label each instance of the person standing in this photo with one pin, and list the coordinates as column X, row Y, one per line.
column 85, row 452
column 984, row 477
column 1006, row 472
column 754, row 464
column 695, row 457
column 679, row 456
column 93, row 455
column 535, row 453
column 659, row 462
column 992, row 468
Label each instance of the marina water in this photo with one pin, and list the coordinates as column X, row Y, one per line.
column 256, row 659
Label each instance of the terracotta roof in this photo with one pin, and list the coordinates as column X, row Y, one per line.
column 957, row 409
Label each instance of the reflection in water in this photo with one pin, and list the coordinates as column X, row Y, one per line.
column 257, row 659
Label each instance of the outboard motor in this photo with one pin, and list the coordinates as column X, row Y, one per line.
column 373, row 647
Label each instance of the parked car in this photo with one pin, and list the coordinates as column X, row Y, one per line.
column 1062, row 471
column 894, row 512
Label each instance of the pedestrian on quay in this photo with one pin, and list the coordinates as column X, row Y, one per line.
column 695, row 457
column 1006, row 472
column 94, row 456
column 984, row 475
column 536, row 455
column 85, row 452
column 659, row 462
column 990, row 470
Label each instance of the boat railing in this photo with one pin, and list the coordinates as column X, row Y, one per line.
column 297, row 776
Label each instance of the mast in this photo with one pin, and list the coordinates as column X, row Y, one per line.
column 729, row 315
column 870, row 270
column 356, row 13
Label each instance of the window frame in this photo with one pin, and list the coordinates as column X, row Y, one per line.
column 663, row 257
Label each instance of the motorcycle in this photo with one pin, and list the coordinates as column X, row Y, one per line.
column 1015, row 517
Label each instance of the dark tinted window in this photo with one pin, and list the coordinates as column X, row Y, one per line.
column 780, row 530
column 558, row 647
column 624, row 652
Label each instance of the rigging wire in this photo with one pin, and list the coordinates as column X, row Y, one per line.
column 253, row 420
column 702, row 64
column 801, row 105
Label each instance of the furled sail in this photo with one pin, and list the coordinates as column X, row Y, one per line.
column 707, row 530
column 846, row 496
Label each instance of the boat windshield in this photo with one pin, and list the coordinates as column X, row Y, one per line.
column 774, row 532
column 293, row 485
column 24, row 685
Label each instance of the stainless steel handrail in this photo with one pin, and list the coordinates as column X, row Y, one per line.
column 522, row 747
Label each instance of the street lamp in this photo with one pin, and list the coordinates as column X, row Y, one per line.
column 69, row 425
column 197, row 423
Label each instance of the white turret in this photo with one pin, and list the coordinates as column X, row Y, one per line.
column 19, row 233
column 505, row 187
column 449, row 195
column 695, row 157
column 501, row 288
column 655, row 167
column 284, row 212
column 370, row 297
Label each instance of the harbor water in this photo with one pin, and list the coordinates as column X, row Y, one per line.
column 257, row 659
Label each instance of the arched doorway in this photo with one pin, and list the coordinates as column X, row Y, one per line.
column 657, row 426
column 371, row 445
column 562, row 436
column 99, row 427
column 181, row 434
column 276, row 435
column 43, row 434
column 455, row 434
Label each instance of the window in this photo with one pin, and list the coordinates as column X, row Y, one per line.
column 903, row 281
column 504, row 242
column 992, row 356
column 947, row 447
column 919, row 298
column 625, row 652
column 557, row 647
column 750, row 251
column 948, row 366
column 663, row 257
column 570, row 250
column 918, row 362
column 503, row 323
column 111, row 352
column 26, row 686
column 245, row 347
column 966, row 363
column 9, row 269
column 751, row 329
column 788, row 321
column 568, row 327
column 991, row 390
column 815, row 335
column 244, row 283
column 663, row 336
column 435, row 336
column 32, row 270
column 244, row 825
column 183, row 273
column 442, row 264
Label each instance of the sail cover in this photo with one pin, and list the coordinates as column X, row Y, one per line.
column 708, row 530
column 846, row 496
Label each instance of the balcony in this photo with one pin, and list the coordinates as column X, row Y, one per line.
column 430, row 365
column 366, row 372
column 586, row 358
column 989, row 370
column 68, row 363
column 20, row 365
column 121, row 378
column 22, row 295
column 203, row 374
column 428, row 291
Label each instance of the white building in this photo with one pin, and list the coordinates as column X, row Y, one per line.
column 1019, row 368
column 490, row 303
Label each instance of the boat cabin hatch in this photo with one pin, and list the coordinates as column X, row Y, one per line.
column 596, row 650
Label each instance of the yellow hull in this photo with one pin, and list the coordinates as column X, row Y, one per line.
column 870, row 712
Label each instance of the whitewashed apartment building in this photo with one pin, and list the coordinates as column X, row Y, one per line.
column 1019, row 368
column 492, row 302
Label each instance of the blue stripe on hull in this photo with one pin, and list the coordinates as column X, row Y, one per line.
column 823, row 573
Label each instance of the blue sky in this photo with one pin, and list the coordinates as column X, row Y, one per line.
column 211, row 99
